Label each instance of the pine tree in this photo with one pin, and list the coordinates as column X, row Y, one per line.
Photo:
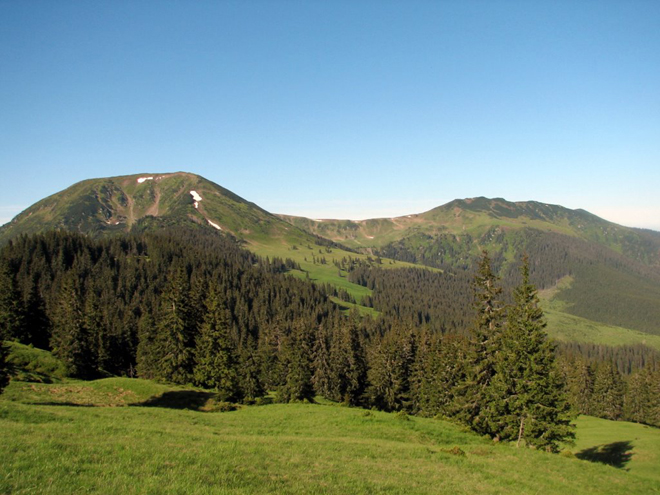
column 390, row 371
column 249, row 370
column 12, row 310
column 348, row 363
column 527, row 393
column 297, row 362
column 70, row 340
column 148, row 357
column 607, row 398
column 175, row 331
column 473, row 405
column 215, row 353
column 637, row 401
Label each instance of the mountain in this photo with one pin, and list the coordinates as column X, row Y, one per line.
column 143, row 201
column 608, row 273
column 591, row 270
column 146, row 202
column 481, row 218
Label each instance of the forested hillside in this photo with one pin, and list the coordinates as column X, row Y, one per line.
column 615, row 270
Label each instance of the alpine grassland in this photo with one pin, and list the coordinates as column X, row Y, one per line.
column 121, row 435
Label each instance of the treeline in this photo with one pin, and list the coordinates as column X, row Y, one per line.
column 598, row 388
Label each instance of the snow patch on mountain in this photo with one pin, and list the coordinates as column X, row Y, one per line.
column 196, row 197
column 214, row 224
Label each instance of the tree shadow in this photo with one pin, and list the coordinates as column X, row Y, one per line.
column 616, row 454
column 179, row 399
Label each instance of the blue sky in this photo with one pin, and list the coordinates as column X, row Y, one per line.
column 339, row 109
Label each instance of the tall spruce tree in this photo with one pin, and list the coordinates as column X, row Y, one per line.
column 607, row 397
column 70, row 340
column 527, row 392
column 391, row 369
column 215, row 353
column 176, row 331
column 12, row 309
column 148, row 357
column 474, row 400
column 297, row 364
column 348, row 362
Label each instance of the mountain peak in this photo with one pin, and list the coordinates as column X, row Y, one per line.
column 139, row 201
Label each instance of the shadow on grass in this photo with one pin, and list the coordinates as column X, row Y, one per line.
column 180, row 399
column 616, row 454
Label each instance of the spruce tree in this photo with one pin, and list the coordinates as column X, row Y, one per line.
column 438, row 371
column 474, row 400
column 637, row 401
column 12, row 309
column 249, row 370
column 579, row 385
column 175, row 331
column 348, row 362
column 527, row 392
column 323, row 372
column 607, row 398
column 391, row 370
column 297, row 364
column 70, row 340
column 215, row 353
column 148, row 357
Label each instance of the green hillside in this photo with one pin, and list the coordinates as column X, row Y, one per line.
column 477, row 217
column 615, row 270
column 147, row 202
column 134, row 436
column 138, row 202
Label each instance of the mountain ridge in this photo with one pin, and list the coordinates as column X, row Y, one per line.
column 616, row 269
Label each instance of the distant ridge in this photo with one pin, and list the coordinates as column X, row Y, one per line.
column 610, row 273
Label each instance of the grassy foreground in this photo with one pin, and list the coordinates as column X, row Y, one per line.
column 121, row 435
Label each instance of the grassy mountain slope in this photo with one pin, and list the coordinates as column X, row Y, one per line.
column 100, row 206
column 615, row 269
column 122, row 435
column 142, row 202
column 477, row 217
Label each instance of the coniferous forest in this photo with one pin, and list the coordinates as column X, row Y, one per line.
column 191, row 307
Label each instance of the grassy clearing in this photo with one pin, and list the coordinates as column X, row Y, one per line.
column 304, row 254
column 569, row 328
column 117, row 444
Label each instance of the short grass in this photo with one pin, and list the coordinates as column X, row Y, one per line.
column 309, row 256
column 133, row 436
column 568, row 328
column 632, row 447
column 565, row 327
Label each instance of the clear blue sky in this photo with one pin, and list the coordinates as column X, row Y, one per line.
column 350, row 109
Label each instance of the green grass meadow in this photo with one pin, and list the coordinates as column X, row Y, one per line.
column 130, row 436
